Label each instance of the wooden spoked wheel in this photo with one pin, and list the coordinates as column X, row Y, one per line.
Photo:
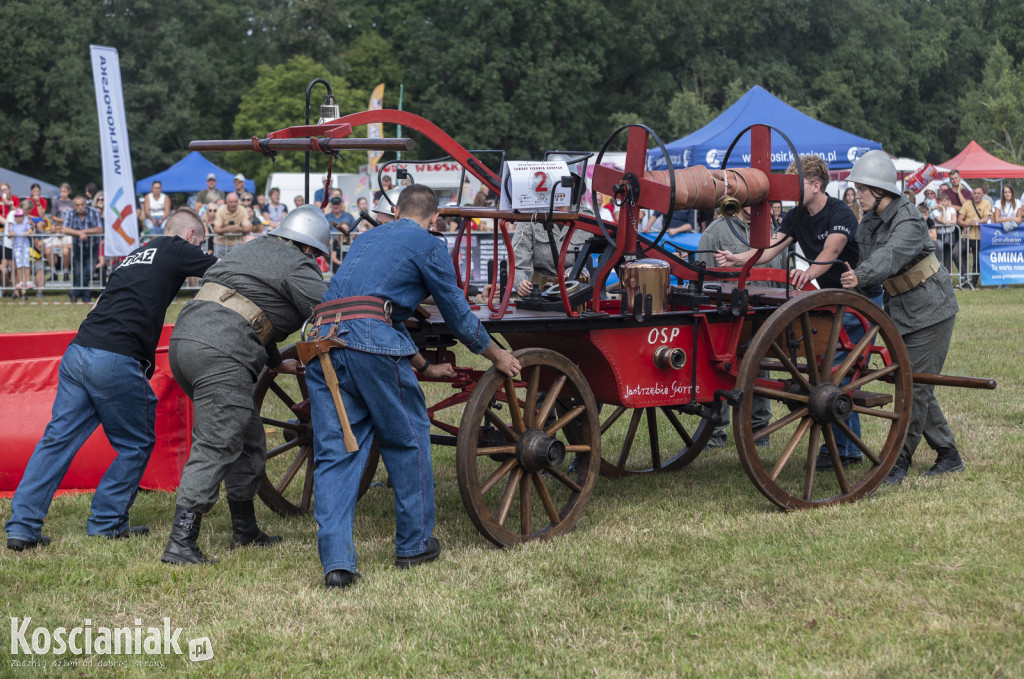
column 654, row 439
column 512, row 458
column 283, row 404
column 870, row 377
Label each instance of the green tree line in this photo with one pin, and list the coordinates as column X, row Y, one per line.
column 923, row 77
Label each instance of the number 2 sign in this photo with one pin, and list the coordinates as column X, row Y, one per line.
column 528, row 185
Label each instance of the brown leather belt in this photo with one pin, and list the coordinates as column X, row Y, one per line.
column 230, row 298
column 351, row 308
column 912, row 277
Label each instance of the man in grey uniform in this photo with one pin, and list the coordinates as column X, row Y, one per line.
column 260, row 293
column 718, row 236
column 536, row 247
column 896, row 251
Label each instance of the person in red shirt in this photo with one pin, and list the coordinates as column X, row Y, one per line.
column 8, row 202
column 958, row 194
column 35, row 205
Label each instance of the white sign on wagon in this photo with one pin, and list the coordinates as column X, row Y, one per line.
column 528, row 184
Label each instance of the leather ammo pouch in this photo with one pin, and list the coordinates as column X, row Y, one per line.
column 912, row 277
column 240, row 304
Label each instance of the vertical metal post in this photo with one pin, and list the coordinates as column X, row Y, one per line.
column 330, row 93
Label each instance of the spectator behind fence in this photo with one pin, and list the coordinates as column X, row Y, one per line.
column 8, row 202
column 385, row 183
column 230, row 226
column 35, row 205
column 318, row 197
column 63, row 202
column 945, row 231
column 20, row 228
column 1007, row 210
column 958, row 195
column 256, row 215
column 977, row 210
column 81, row 223
column 300, row 200
column 211, row 195
column 275, row 210
column 850, row 198
column 156, row 206
column 56, row 243
column 239, row 184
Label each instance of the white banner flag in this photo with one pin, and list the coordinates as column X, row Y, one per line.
column 121, row 226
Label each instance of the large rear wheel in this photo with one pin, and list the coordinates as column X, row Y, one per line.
column 812, row 376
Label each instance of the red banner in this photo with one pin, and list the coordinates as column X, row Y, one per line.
column 28, row 386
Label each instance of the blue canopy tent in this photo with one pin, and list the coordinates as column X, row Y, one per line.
column 707, row 146
column 188, row 175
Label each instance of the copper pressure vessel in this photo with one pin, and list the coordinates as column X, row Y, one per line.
column 648, row 277
column 699, row 188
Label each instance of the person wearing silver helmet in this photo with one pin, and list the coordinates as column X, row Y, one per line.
column 261, row 292
column 384, row 210
column 895, row 250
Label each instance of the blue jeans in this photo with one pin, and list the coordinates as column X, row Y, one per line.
column 95, row 387
column 383, row 401
column 855, row 331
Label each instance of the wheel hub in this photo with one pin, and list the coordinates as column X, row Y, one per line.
column 536, row 450
column 829, row 404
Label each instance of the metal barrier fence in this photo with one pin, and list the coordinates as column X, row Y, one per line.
column 78, row 267
column 960, row 256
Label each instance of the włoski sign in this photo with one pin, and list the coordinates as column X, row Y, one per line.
column 529, row 184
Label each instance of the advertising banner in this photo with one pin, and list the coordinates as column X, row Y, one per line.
column 1002, row 255
column 375, row 130
column 121, row 226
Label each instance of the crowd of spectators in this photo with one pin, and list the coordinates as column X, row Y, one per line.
column 60, row 240
column 954, row 215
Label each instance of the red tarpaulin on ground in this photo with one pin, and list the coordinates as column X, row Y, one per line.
column 975, row 162
column 29, row 363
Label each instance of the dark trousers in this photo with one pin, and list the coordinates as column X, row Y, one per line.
column 83, row 267
column 228, row 442
column 928, row 348
column 945, row 247
column 969, row 256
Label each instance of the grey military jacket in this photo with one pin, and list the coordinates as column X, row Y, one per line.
column 275, row 276
column 532, row 251
column 890, row 244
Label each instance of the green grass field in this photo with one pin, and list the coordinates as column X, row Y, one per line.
column 692, row 573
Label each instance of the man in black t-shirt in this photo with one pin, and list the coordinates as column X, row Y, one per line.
column 104, row 379
column 825, row 228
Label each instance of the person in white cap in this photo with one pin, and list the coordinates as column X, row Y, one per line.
column 239, row 183
column 211, row 195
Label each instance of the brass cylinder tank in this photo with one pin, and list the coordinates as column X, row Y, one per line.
column 648, row 277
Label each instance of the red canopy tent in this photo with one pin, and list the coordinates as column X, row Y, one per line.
column 975, row 162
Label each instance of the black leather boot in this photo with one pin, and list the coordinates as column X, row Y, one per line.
column 245, row 532
column 899, row 470
column 947, row 461
column 181, row 546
